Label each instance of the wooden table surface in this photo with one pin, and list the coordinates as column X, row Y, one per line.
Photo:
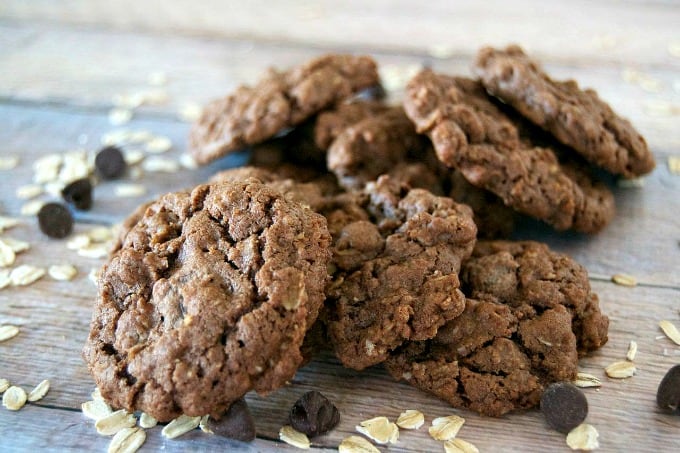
column 62, row 63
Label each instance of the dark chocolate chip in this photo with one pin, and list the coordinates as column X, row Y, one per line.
column 314, row 414
column 564, row 406
column 110, row 163
column 55, row 220
column 668, row 394
column 236, row 423
column 79, row 194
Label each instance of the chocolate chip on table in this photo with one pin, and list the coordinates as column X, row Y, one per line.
column 110, row 163
column 564, row 406
column 668, row 394
column 55, row 220
column 79, row 194
column 314, row 414
column 236, row 423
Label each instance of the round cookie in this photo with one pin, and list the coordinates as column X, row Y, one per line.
column 576, row 117
column 208, row 297
column 473, row 136
column 396, row 256
column 281, row 99
column 529, row 315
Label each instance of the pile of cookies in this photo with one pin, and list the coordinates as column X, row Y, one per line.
column 380, row 231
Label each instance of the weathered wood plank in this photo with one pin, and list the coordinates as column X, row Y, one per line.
column 576, row 30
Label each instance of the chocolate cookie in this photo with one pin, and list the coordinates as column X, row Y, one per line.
column 209, row 297
column 529, row 315
column 280, row 100
column 396, row 256
column 472, row 135
column 331, row 123
column 576, row 117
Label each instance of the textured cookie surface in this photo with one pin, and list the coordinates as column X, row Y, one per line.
column 529, row 314
column 396, row 257
column 281, row 99
column 208, row 297
column 472, row 135
column 576, row 117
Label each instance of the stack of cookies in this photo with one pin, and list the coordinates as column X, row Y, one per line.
column 380, row 231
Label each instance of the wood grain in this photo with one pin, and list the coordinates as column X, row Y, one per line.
column 62, row 62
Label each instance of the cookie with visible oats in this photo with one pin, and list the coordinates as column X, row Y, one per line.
column 396, row 256
column 576, row 117
column 281, row 99
column 472, row 135
column 529, row 314
column 208, row 297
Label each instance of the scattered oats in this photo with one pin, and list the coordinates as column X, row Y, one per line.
column 129, row 190
column 54, row 188
column 114, row 422
column 96, row 409
column 670, row 330
column 585, row 380
column 583, row 437
column 632, row 350
column 93, row 276
column 119, row 116
column 190, row 112
column 100, row 234
column 135, row 173
column 116, row 137
column 411, row 419
column 674, row 49
column 624, row 280
column 356, row 444
column 4, row 278
column 96, row 394
column 32, row 207
column 153, row 97
column 158, row 145
column 127, row 440
column 9, row 162
column 160, row 164
column 94, row 251
column 651, row 85
column 48, row 160
column 674, row 164
column 4, row 385
column 631, row 75
column 75, row 167
column 146, row 421
column 620, row 370
column 395, row 77
column 181, row 425
column 294, row 438
column 133, row 156
column 14, row 398
column 26, row 274
column 633, row 183
column 660, row 108
column 441, row 51
column 7, row 332
column 7, row 222
column 380, row 429
column 16, row 245
column 370, row 347
column 39, row 391
column 62, row 272
column 203, row 424
column 188, row 162
column 78, row 242
column 126, row 101
column 46, row 168
column 7, row 255
column 157, row 78
column 29, row 191
column 459, row 446
column 446, row 428
column 140, row 136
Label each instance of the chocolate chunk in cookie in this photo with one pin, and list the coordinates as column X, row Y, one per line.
column 576, row 117
column 396, row 256
column 208, row 297
column 282, row 99
column 529, row 315
column 473, row 136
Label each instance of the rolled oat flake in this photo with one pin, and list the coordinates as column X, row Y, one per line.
column 564, row 406
column 668, row 393
column 55, row 220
